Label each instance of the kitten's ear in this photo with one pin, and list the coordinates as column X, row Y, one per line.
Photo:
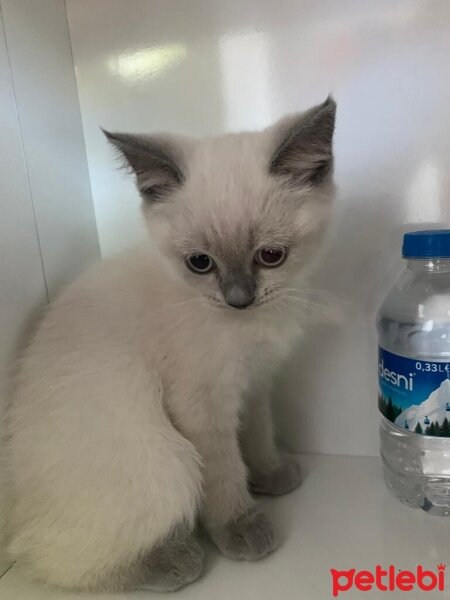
column 304, row 151
column 157, row 165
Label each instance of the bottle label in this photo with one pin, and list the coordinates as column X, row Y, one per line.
column 414, row 394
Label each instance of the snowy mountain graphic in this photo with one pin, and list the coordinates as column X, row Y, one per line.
column 435, row 408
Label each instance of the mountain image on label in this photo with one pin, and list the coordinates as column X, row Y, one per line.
column 435, row 408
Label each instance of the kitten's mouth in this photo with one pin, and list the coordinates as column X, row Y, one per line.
column 241, row 306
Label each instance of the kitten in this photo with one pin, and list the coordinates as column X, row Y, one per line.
column 142, row 401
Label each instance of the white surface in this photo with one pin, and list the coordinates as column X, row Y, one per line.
column 208, row 66
column 47, row 104
column 342, row 517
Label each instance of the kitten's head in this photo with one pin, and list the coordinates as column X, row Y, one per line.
column 239, row 215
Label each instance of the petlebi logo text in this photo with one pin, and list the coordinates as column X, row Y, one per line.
column 389, row 579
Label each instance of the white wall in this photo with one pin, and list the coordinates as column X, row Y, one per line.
column 22, row 284
column 207, row 66
column 47, row 223
column 40, row 55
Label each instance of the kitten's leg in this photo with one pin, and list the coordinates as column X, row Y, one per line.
column 271, row 472
column 238, row 529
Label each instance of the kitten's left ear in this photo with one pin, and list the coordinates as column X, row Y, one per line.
column 305, row 154
column 155, row 161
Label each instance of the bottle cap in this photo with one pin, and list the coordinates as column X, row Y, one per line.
column 434, row 243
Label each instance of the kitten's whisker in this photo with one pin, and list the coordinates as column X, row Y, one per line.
column 303, row 302
column 307, row 294
column 277, row 307
column 326, row 295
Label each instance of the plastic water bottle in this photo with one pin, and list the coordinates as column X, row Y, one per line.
column 414, row 375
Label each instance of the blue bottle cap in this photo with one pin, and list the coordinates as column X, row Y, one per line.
column 434, row 243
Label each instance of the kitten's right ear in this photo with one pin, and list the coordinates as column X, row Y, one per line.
column 157, row 165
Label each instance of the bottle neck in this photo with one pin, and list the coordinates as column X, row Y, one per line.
column 431, row 265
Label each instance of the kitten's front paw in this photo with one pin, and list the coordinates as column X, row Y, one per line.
column 279, row 481
column 250, row 537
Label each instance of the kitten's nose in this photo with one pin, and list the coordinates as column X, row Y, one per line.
column 239, row 297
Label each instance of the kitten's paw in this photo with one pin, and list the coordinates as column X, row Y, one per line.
column 279, row 481
column 173, row 565
column 250, row 537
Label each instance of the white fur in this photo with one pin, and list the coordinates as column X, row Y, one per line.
column 129, row 397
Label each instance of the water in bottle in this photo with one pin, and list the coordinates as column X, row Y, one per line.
column 414, row 375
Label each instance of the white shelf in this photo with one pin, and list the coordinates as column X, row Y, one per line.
column 341, row 517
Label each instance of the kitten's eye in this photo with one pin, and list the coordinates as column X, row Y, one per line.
column 200, row 263
column 271, row 257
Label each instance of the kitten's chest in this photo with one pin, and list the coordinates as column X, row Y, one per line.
column 224, row 357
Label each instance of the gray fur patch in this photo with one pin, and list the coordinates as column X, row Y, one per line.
column 172, row 565
column 238, row 287
column 157, row 169
column 305, row 153
column 283, row 479
column 250, row 537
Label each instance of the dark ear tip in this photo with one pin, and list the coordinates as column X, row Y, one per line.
column 109, row 136
column 119, row 140
column 330, row 103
